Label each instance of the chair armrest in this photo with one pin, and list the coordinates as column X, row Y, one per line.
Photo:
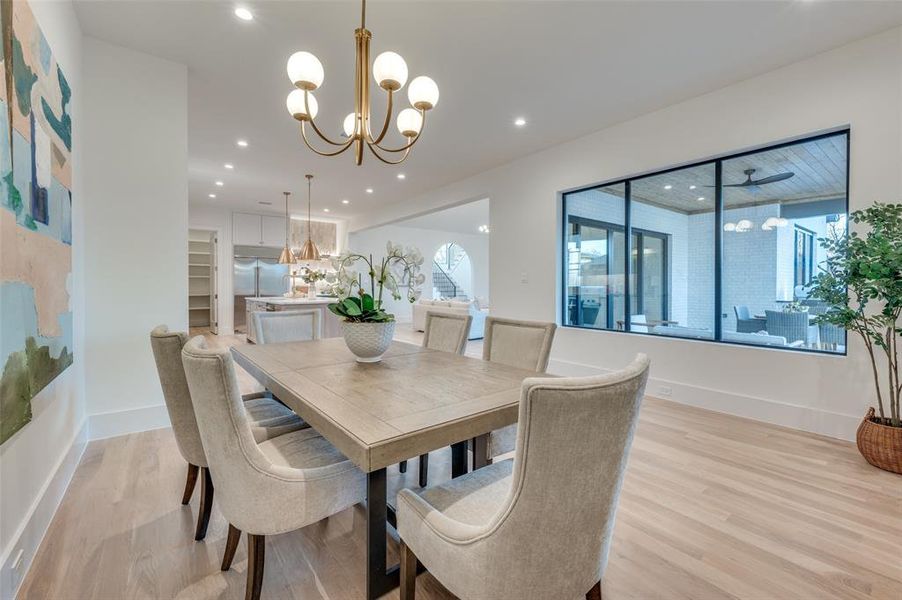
column 428, row 516
column 254, row 396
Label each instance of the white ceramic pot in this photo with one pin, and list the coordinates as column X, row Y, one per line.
column 368, row 341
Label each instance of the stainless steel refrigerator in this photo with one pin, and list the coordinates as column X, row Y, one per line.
column 256, row 273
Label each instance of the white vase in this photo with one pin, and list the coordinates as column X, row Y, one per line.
column 368, row 341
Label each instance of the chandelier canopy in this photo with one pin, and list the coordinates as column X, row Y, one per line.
column 390, row 72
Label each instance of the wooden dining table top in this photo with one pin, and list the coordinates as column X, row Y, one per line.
column 377, row 414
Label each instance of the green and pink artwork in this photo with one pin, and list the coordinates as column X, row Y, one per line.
column 35, row 218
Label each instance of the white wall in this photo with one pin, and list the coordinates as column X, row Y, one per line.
column 859, row 85
column 372, row 241
column 135, row 156
column 37, row 463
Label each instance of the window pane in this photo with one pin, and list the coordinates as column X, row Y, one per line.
column 595, row 257
column 672, row 287
column 776, row 204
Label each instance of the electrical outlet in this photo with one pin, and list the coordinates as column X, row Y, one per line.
column 665, row 391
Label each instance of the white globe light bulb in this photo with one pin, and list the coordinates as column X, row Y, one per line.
column 743, row 225
column 423, row 93
column 305, row 71
column 296, row 107
column 390, row 71
column 729, row 227
column 350, row 124
column 410, row 122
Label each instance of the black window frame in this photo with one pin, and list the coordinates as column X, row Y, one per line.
column 807, row 256
column 717, row 161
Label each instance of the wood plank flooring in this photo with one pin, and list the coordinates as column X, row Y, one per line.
column 713, row 506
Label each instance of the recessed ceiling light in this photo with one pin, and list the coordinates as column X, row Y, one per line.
column 369, row 190
column 402, row 176
column 701, row 198
column 345, row 201
column 229, row 166
column 325, row 210
column 212, row 195
column 242, row 143
column 244, row 14
column 519, row 121
column 691, row 187
column 220, row 183
column 668, row 187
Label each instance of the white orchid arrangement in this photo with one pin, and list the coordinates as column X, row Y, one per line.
column 400, row 267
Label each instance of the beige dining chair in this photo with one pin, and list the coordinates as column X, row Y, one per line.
column 268, row 418
column 526, row 528
column 445, row 333
column 286, row 326
column 521, row 344
column 265, row 488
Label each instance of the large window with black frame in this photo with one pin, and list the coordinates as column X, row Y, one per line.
column 723, row 250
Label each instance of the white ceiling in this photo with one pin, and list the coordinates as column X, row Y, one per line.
column 569, row 68
column 464, row 218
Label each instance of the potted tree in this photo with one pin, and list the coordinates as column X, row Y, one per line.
column 861, row 281
column 367, row 328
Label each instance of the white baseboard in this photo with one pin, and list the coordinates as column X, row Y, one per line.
column 31, row 532
column 112, row 424
column 794, row 416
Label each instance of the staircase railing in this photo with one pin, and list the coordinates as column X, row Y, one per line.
column 442, row 281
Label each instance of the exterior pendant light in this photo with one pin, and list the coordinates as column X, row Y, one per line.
column 309, row 251
column 287, row 257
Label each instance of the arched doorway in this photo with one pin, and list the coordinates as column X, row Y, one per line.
column 452, row 273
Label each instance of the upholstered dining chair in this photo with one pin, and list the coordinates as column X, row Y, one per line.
column 286, row 326
column 268, row 418
column 526, row 528
column 265, row 488
column 521, row 344
column 445, row 333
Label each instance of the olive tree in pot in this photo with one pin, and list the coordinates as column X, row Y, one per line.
column 861, row 280
column 367, row 328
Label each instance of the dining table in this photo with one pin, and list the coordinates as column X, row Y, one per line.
column 413, row 401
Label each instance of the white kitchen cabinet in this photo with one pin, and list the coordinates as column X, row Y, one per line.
column 247, row 230
column 273, row 231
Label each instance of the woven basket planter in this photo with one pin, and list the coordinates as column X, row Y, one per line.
column 881, row 445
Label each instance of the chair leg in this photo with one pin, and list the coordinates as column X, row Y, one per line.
column 595, row 592
column 256, row 554
column 481, row 456
column 402, row 466
column 206, row 504
column 408, row 573
column 189, row 483
column 424, row 469
column 231, row 546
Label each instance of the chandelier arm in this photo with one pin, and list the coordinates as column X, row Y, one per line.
column 313, row 124
column 408, row 146
column 373, row 147
column 344, row 146
column 385, row 125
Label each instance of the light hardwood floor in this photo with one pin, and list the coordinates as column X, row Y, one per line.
column 713, row 506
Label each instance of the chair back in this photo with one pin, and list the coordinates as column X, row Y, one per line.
column 447, row 332
column 791, row 325
column 586, row 423
column 274, row 327
column 742, row 312
column 521, row 344
column 167, row 353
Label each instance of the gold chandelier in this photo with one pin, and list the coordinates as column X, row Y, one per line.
column 390, row 71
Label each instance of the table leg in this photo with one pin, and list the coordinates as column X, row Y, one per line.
column 378, row 580
column 458, row 459
column 480, row 451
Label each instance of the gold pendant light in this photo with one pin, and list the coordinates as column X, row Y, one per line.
column 390, row 72
column 309, row 251
column 287, row 256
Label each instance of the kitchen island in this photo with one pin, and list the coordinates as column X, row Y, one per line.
column 331, row 326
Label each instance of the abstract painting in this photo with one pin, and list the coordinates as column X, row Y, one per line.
column 35, row 217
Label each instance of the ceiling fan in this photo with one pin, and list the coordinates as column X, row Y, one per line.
column 749, row 182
